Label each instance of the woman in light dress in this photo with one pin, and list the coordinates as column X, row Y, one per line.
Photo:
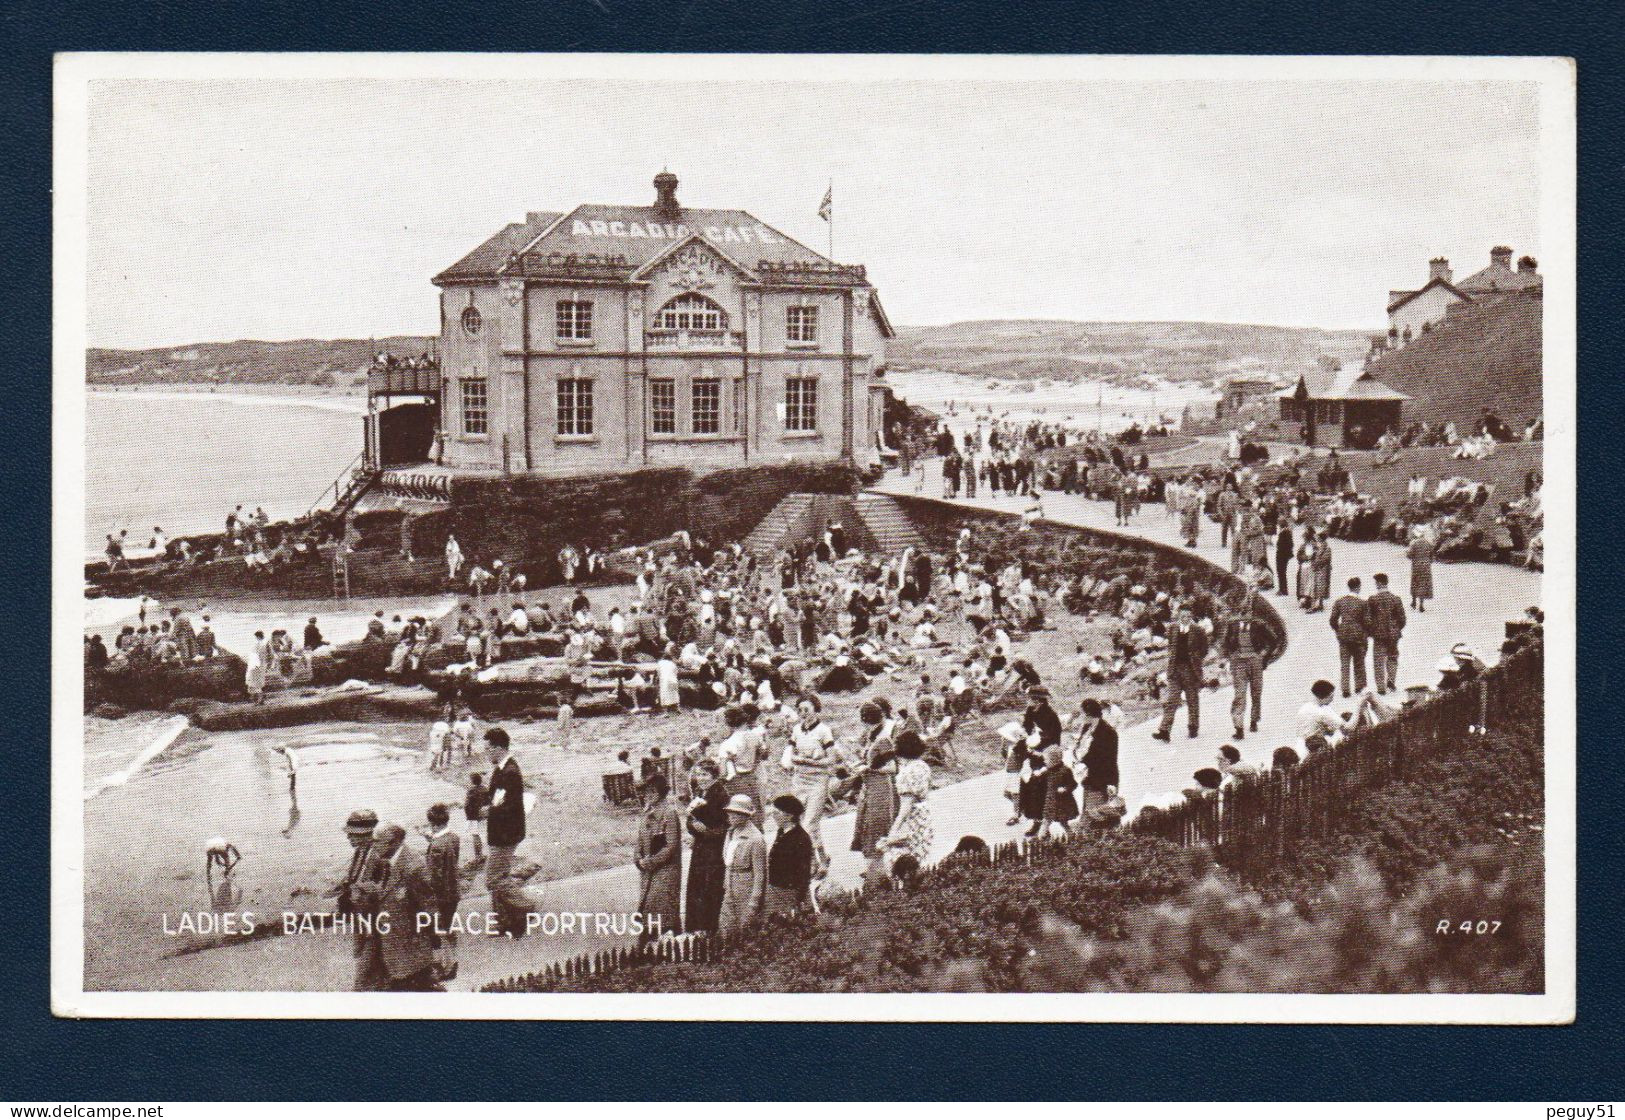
column 812, row 756
column 259, row 659
column 1421, row 551
column 911, row 831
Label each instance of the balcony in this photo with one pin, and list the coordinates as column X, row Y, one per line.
column 694, row 340
column 396, row 377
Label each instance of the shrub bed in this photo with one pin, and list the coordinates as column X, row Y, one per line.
column 1343, row 912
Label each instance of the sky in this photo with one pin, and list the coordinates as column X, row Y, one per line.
column 221, row 210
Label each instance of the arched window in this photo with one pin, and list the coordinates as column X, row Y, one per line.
column 691, row 312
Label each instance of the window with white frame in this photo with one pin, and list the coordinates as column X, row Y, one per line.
column 705, row 406
column 691, row 312
column 476, row 405
column 801, row 325
column 801, row 404
column 575, row 406
column 663, row 406
column 574, row 320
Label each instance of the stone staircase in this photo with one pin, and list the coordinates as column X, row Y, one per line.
column 873, row 522
column 887, row 526
column 787, row 521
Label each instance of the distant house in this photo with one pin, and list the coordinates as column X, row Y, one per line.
column 1342, row 408
column 1241, row 391
column 1414, row 312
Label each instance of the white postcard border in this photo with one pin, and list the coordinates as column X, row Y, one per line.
column 1556, row 80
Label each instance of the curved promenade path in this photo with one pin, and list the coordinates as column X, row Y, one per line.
column 1472, row 602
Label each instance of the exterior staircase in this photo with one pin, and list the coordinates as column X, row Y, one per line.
column 873, row 522
column 790, row 520
column 887, row 526
column 348, row 488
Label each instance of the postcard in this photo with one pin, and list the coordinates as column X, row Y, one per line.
column 814, row 537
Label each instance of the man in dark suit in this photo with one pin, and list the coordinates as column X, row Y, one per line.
column 1187, row 650
column 1099, row 782
column 402, row 904
column 504, row 831
column 1249, row 645
column 1387, row 622
column 1285, row 550
column 1351, row 621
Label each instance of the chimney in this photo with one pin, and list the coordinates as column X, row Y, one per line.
column 1439, row 269
column 1526, row 264
column 1501, row 257
column 666, row 196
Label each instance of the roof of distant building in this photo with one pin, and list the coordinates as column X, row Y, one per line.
column 489, row 257
column 1399, row 299
column 1497, row 277
column 633, row 237
column 1352, row 384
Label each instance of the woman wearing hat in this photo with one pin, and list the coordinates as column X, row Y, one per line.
column 1421, row 551
column 790, row 862
column 877, row 799
column 911, row 831
column 708, row 825
column 358, row 828
column 744, row 862
column 659, row 860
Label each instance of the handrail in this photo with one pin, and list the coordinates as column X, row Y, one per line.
column 343, row 479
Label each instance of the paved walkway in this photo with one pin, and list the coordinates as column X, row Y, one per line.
column 1472, row 603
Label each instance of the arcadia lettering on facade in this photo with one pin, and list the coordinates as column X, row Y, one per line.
column 669, row 231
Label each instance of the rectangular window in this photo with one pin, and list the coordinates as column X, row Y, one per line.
column 706, row 406
column 476, row 406
column 801, row 325
column 575, row 320
column 663, row 407
column 575, row 406
column 801, row 404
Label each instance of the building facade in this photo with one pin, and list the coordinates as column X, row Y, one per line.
column 1411, row 312
column 614, row 338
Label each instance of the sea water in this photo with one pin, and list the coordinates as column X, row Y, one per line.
column 182, row 459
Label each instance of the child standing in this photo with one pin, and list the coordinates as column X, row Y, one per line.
column 443, row 862
column 474, row 804
column 439, row 743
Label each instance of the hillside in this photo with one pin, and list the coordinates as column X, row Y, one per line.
column 1483, row 354
column 1118, row 353
column 302, row 361
column 1128, row 354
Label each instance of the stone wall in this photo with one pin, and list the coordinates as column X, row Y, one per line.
column 527, row 520
column 1074, row 550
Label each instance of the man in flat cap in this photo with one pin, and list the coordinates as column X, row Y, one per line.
column 403, row 905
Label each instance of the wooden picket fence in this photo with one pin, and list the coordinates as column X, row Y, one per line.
column 702, row 948
column 1268, row 814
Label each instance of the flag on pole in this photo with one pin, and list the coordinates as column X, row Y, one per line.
column 827, row 207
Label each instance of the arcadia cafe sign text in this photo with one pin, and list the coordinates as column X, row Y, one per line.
column 666, row 231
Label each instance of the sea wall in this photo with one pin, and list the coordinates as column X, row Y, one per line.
column 527, row 520
column 520, row 519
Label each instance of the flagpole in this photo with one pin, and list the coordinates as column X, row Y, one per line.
column 830, row 194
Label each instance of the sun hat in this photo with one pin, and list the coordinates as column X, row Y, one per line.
column 742, row 804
